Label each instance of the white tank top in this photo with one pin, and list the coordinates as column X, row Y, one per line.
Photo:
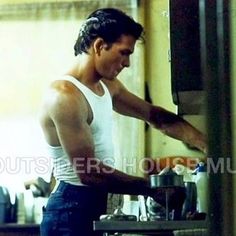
column 101, row 128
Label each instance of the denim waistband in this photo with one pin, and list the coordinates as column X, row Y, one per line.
column 73, row 191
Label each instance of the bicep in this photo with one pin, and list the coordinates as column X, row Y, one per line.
column 76, row 139
column 127, row 103
column 72, row 129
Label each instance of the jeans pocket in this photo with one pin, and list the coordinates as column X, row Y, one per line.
column 48, row 225
column 55, row 223
column 80, row 220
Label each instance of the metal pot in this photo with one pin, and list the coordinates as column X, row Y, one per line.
column 167, row 180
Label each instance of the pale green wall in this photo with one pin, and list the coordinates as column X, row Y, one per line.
column 157, row 74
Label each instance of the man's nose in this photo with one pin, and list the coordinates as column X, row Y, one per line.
column 126, row 62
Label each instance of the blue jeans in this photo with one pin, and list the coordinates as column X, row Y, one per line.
column 71, row 210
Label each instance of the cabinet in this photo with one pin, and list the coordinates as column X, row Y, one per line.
column 186, row 79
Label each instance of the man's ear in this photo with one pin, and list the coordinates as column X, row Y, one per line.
column 98, row 45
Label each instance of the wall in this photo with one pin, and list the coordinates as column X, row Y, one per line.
column 158, row 78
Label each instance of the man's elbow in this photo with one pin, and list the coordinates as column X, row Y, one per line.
column 162, row 119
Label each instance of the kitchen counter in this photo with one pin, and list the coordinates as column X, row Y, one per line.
column 13, row 229
column 139, row 227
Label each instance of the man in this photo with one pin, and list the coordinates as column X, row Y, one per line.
column 77, row 123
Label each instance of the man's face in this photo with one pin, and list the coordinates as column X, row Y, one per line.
column 115, row 57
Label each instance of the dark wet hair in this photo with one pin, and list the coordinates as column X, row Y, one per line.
column 107, row 23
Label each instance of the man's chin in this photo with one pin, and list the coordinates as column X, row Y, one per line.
column 109, row 78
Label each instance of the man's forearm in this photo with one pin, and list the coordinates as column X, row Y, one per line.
column 186, row 133
column 176, row 127
column 113, row 180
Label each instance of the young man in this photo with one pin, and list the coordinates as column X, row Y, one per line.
column 77, row 123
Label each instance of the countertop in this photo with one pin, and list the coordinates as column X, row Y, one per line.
column 147, row 226
column 14, row 229
column 19, row 226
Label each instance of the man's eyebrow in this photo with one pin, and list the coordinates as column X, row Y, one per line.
column 128, row 51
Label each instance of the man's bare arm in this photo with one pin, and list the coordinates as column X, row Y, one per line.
column 169, row 123
column 176, row 127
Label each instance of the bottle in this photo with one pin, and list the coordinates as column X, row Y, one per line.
column 201, row 181
column 20, row 208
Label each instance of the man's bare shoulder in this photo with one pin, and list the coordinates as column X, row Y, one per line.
column 114, row 86
column 63, row 90
column 62, row 97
